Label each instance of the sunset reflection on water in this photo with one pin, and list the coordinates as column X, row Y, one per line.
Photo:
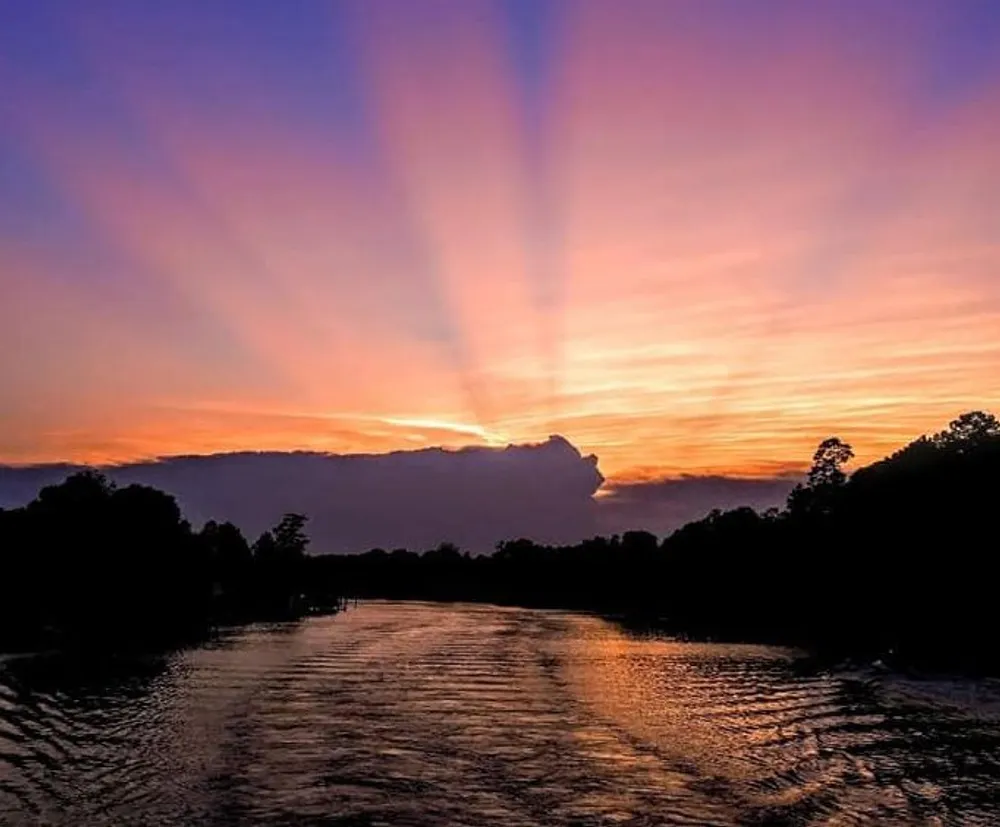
column 421, row 714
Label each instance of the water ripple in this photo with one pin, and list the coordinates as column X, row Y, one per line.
column 415, row 714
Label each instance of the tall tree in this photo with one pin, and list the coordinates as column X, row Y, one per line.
column 290, row 537
column 830, row 456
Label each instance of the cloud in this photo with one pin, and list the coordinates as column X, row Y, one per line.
column 664, row 505
column 473, row 496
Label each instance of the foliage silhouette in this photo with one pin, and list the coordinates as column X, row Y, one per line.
column 893, row 562
column 89, row 565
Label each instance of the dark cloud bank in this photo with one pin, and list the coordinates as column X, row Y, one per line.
column 415, row 499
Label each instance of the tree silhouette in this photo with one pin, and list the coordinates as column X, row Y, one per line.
column 826, row 469
column 824, row 483
column 290, row 537
column 969, row 430
column 279, row 566
column 88, row 564
column 893, row 561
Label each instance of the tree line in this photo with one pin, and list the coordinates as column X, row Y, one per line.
column 89, row 564
column 895, row 561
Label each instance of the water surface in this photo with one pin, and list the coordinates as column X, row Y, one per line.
column 417, row 714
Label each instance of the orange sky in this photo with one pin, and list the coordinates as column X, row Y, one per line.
column 688, row 243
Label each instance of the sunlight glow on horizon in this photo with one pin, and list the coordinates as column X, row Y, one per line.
column 688, row 238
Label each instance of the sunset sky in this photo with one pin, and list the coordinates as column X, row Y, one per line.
column 691, row 237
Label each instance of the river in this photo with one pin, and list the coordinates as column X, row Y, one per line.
column 420, row 714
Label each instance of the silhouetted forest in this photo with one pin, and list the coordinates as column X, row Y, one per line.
column 87, row 564
column 894, row 562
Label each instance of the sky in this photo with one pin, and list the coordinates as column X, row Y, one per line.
column 692, row 238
